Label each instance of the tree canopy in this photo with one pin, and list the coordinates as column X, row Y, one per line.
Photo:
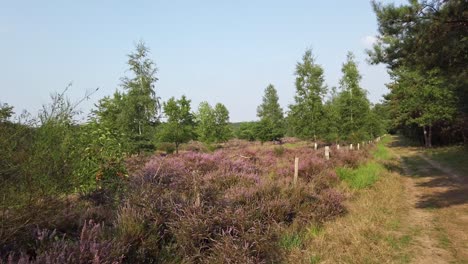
column 305, row 115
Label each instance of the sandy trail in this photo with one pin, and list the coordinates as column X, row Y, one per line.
column 438, row 217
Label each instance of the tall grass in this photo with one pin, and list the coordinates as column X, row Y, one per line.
column 362, row 177
column 381, row 153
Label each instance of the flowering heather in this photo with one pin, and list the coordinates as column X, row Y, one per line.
column 228, row 206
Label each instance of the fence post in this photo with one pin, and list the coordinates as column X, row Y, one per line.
column 337, row 146
column 296, row 170
column 327, row 152
column 315, row 146
column 351, row 146
column 197, row 200
column 358, row 146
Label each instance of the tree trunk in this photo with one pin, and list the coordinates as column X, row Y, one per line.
column 427, row 136
column 177, row 148
column 465, row 129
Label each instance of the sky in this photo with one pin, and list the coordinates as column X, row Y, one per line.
column 215, row 51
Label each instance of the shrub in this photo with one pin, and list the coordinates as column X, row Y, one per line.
column 167, row 147
column 90, row 248
column 279, row 150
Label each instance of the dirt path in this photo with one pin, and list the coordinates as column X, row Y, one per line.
column 438, row 218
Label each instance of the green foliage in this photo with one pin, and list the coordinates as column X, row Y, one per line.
column 362, row 177
column 222, row 130
column 246, row 131
column 306, row 114
column 6, row 112
column 102, row 163
column 352, row 103
column 271, row 116
column 133, row 112
column 291, row 241
column 417, row 99
column 424, row 45
column 213, row 123
column 381, row 152
column 180, row 125
column 332, row 117
column 205, row 123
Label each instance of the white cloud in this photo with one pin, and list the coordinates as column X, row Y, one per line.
column 368, row 41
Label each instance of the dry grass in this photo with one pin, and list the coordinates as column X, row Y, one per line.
column 373, row 231
column 370, row 233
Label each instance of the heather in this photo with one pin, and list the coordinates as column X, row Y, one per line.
column 234, row 205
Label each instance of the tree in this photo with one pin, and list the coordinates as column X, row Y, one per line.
column 353, row 105
column 271, row 116
column 418, row 100
column 141, row 102
column 135, row 111
column 305, row 116
column 247, row 131
column 332, row 117
column 179, row 127
column 213, row 123
column 222, row 129
column 427, row 36
column 206, row 123
column 6, row 112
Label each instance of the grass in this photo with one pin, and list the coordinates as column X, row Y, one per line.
column 373, row 230
column 455, row 157
column 381, row 153
column 366, row 175
column 362, row 177
column 291, row 241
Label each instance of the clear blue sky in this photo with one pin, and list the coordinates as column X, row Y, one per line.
column 215, row 51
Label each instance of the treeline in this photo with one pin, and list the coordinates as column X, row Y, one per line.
column 135, row 120
column 346, row 115
column 424, row 44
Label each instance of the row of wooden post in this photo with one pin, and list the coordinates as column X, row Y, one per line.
column 327, row 156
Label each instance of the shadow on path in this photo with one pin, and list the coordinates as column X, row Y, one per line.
column 438, row 188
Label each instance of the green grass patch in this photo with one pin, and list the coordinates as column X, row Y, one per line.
column 454, row 157
column 314, row 259
column 381, row 152
column 398, row 242
column 314, row 231
column 290, row 241
column 362, row 177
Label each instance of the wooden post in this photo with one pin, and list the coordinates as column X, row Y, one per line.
column 315, row 145
column 338, row 146
column 350, row 146
column 197, row 200
column 296, row 170
column 327, row 152
column 358, row 146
